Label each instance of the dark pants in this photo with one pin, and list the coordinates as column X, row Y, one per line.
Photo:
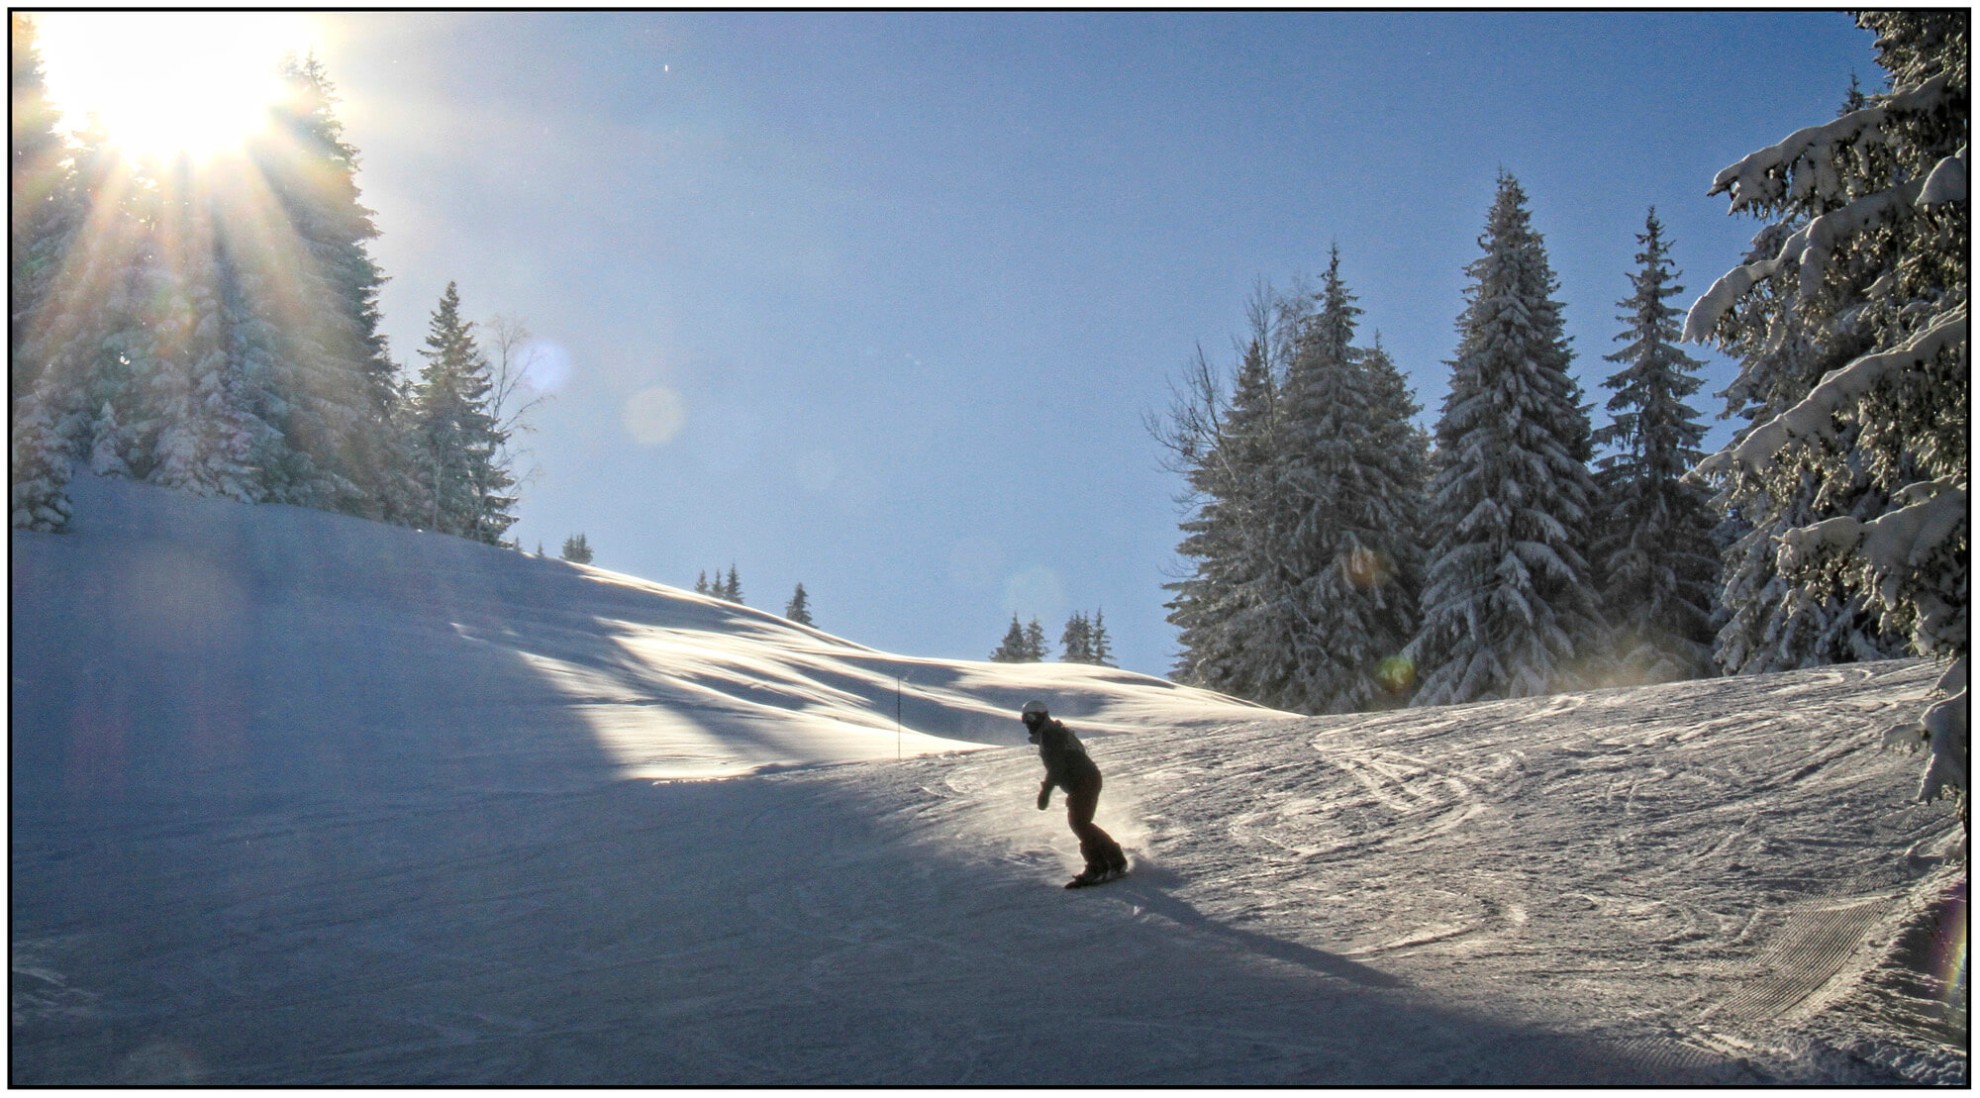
column 1096, row 846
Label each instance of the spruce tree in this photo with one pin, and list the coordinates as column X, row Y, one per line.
column 1653, row 546
column 1405, row 450
column 200, row 365
column 38, row 497
column 42, row 210
column 1035, row 649
column 458, row 439
column 1195, row 435
column 1013, row 649
column 254, row 374
column 1851, row 320
column 1076, row 640
column 799, row 608
column 1346, row 539
column 351, row 451
column 111, row 446
column 577, row 550
column 1787, row 342
column 1102, row 646
column 69, row 339
column 732, row 589
column 1232, row 640
column 1508, row 604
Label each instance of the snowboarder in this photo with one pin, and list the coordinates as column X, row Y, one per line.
column 1068, row 767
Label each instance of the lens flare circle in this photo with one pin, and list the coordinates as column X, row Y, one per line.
column 1397, row 674
column 1036, row 592
column 654, row 416
column 1367, row 569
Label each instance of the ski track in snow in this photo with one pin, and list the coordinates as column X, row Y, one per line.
column 1713, row 882
column 1477, row 897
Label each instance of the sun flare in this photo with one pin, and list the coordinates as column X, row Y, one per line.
column 165, row 85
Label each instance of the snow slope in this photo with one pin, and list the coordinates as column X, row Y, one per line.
column 300, row 799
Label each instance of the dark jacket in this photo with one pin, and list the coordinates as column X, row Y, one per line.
column 1066, row 762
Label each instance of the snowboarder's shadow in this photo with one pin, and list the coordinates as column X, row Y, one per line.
column 1148, row 884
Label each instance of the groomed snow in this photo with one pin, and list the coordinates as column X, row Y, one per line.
column 300, row 799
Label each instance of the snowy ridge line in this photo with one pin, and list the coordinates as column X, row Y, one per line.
column 547, row 675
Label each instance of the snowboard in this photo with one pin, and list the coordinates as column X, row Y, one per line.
column 1114, row 875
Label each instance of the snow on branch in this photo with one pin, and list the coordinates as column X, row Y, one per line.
column 1814, row 416
column 1890, row 543
column 1763, row 177
column 1944, row 731
column 1946, row 185
column 1714, row 303
column 1809, row 249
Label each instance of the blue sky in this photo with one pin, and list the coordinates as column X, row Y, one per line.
column 878, row 302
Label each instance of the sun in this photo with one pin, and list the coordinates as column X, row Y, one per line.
column 167, row 85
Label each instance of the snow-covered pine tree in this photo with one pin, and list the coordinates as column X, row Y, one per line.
column 43, row 410
column 1035, row 648
column 728, row 590
column 68, row 339
column 1194, row 435
column 110, row 443
column 42, row 210
column 1013, row 649
column 1652, row 544
column 1407, row 454
column 1232, row 640
column 1869, row 269
column 1102, row 645
column 41, row 457
column 164, row 357
column 1508, row 603
column 339, row 378
column 1345, row 542
column 254, row 375
column 577, row 550
column 799, row 608
column 199, row 363
column 458, row 439
column 1076, row 640
column 1786, row 343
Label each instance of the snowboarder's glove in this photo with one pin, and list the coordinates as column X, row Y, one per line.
column 1045, row 796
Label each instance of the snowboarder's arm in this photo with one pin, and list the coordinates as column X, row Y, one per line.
column 1045, row 794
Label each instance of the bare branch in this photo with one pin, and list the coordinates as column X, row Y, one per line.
column 511, row 398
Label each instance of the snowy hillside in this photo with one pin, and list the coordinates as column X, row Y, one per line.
column 275, row 650
column 300, row 799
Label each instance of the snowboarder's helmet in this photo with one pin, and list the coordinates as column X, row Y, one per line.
column 1034, row 711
